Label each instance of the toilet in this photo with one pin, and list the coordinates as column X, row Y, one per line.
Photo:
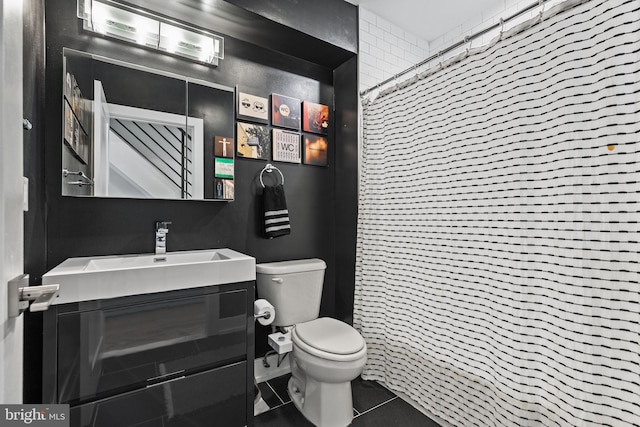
column 327, row 353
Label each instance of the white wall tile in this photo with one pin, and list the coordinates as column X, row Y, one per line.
column 364, row 47
column 377, row 74
column 367, row 15
column 403, row 45
column 363, row 25
column 411, row 38
column 366, row 59
column 367, row 81
column 411, row 58
column 384, row 24
column 385, row 46
column 376, row 52
column 376, row 31
column 397, row 31
column 391, row 39
column 390, row 58
column 386, row 49
column 422, row 44
column 367, row 38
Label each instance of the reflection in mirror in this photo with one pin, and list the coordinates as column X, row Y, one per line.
column 147, row 154
column 126, row 128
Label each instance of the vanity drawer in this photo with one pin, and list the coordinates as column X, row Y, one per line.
column 123, row 348
column 214, row 397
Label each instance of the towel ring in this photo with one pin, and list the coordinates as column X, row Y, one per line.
column 270, row 168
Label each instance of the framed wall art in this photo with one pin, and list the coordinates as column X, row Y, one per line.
column 315, row 150
column 253, row 141
column 285, row 111
column 223, row 146
column 315, row 118
column 252, row 108
column 286, row 146
column 224, row 168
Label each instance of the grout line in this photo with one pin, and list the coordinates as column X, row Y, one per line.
column 278, row 406
column 275, row 392
column 377, row 406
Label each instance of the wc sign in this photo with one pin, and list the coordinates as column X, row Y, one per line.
column 34, row 415
column 286, row 146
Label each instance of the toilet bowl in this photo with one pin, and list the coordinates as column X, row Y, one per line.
column 327, row 353
column 327, row 356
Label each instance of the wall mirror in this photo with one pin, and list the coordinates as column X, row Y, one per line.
column 134, row 132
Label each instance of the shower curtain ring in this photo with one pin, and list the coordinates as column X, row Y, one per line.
column 541, row 3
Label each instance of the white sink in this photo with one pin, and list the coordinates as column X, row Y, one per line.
column 93, row 278
column 150, row 260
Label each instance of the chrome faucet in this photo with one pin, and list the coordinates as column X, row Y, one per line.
column 162, row 228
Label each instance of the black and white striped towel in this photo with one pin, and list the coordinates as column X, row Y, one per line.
column 276, row 214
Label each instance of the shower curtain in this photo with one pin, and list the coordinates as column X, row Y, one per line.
column 497, row 276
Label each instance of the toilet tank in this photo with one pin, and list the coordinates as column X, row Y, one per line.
column 294, row 288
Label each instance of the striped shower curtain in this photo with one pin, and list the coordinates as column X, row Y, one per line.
column 497, row 277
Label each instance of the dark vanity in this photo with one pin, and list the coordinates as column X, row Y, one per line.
column 178, row 358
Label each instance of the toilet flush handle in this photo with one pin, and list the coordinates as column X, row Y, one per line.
column 277, row 279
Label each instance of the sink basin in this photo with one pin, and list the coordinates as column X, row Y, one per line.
column 137, row 261
column 104, row 277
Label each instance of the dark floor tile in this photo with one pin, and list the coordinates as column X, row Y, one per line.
column 396, row 413
column 283, row 416
column 279, row 385
column 367, row 394
column 268, row 395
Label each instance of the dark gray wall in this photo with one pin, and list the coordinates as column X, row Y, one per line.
column 346, row 190
column 334, row 21
column 101, row 226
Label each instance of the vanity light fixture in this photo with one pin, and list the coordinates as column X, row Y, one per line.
column 123, row 22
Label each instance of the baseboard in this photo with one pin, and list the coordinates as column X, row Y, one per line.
column 263, row 373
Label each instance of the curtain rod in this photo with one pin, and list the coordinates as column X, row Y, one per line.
column 467, row 39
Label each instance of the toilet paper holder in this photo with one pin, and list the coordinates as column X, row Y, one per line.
column 265, row 315
column 263, row 312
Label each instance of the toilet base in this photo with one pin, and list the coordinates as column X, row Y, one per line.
column 323, row 404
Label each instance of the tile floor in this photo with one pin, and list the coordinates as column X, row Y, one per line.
column 374, row 406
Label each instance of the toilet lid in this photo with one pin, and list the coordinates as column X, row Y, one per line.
column 330, row 335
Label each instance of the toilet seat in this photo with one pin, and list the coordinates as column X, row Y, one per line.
column 329, row 339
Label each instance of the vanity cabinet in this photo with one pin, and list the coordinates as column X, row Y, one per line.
column 165, row 359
